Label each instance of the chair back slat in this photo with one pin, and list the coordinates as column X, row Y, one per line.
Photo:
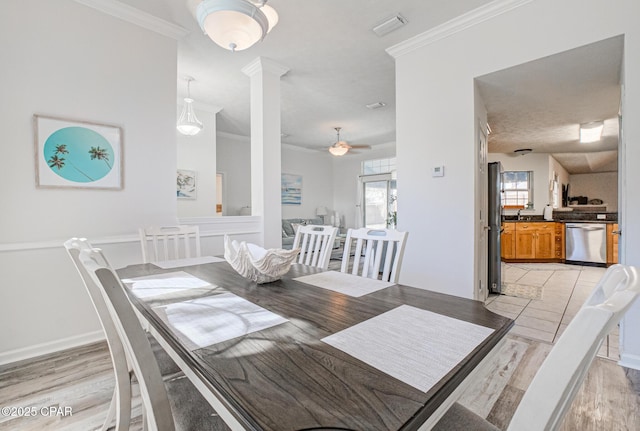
column 315, row 243
column 376, row 251
column 555, row 385
column 108, row 294
column 169, row 242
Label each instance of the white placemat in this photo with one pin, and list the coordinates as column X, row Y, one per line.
column 349, row 284
column 179, row 263
column 162, row 284
column 415, row 346
column 213, row 319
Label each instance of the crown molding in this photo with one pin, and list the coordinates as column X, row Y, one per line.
column 137, row 17
column 234, row 136
column 200, row 106
column 456, row 25
column 264, row 64
column 294, row 147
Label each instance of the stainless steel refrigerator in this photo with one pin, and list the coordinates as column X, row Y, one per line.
column 494, row 220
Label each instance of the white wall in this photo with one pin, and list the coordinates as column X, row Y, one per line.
column 563, row 177
column 346, row 170
column 435, row 116
column 86, row 66
column 316, row 170
column 603, row 185
column 234, row 161
column 198, row 153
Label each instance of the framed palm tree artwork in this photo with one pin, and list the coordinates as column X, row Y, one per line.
column 77, row 154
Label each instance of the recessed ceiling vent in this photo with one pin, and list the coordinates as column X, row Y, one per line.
column 389, row 25
column 376, row 105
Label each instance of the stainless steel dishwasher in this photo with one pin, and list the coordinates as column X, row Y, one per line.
column 586, row 243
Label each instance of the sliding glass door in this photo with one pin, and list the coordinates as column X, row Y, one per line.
column 379, row 201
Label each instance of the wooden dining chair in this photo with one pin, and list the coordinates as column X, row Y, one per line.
column 315, row 243
column 555, row 385
column 168, row 404
column 169, row 242
column 376, row 251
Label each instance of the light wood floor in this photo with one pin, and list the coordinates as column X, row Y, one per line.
column 82, row 379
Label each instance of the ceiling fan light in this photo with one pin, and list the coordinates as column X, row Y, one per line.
column 232, row 24
column 591, row 132
column 338, row 150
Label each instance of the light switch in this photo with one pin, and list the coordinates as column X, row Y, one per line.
column 438, row 171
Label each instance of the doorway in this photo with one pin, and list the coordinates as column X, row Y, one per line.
column 379, row 197
column 539, row 106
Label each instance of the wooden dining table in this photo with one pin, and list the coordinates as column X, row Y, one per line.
column 286, row 377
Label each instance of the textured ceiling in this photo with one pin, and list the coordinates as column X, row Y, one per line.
column 540, row 105
column 338, row 65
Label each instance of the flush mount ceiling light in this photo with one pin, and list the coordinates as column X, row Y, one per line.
column 236, row 24
column 591, row 132
column 522, row 151
column 188, row 123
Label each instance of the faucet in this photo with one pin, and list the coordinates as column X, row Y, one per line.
column 519, row 216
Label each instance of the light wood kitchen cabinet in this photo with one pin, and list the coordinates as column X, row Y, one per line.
column 612, row 243
column 535, row 240
column 559, row 241
column 508, row 241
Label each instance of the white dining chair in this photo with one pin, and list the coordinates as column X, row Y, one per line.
column 375, row 251
column 120, row 406
column 169, row 242
column 315, row 243
column 555, row 385
column 168, row 403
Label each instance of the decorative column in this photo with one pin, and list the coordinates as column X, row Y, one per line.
column 266, row 169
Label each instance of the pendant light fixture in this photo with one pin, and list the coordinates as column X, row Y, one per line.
column 188, row 124
column 236, row 24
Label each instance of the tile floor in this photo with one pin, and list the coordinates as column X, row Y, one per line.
column 565, row 288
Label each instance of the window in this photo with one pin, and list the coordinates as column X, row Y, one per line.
column 517, row 189
column 380, row 166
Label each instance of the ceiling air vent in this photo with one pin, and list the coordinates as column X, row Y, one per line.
column 376, row 105
column 389, row 25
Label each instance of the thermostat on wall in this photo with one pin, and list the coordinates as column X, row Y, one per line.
column 438, row 171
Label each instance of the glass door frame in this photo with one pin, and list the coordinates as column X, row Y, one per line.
column 391, row 196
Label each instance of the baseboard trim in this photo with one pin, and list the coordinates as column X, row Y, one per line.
column 629, row 361
column 50, row 347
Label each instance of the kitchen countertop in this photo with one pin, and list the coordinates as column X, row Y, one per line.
column 566, row 217
column 540, row 220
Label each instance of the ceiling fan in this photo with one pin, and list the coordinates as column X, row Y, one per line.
column 340, row 148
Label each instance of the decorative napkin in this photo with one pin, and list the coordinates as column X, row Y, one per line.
column 415, row 346
column 179, row 263
column 213, row 319
column 349, row 284
column 162, row 284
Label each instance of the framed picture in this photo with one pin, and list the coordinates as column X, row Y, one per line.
column 187, row 185
column 77, row 154
column 291, row 189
